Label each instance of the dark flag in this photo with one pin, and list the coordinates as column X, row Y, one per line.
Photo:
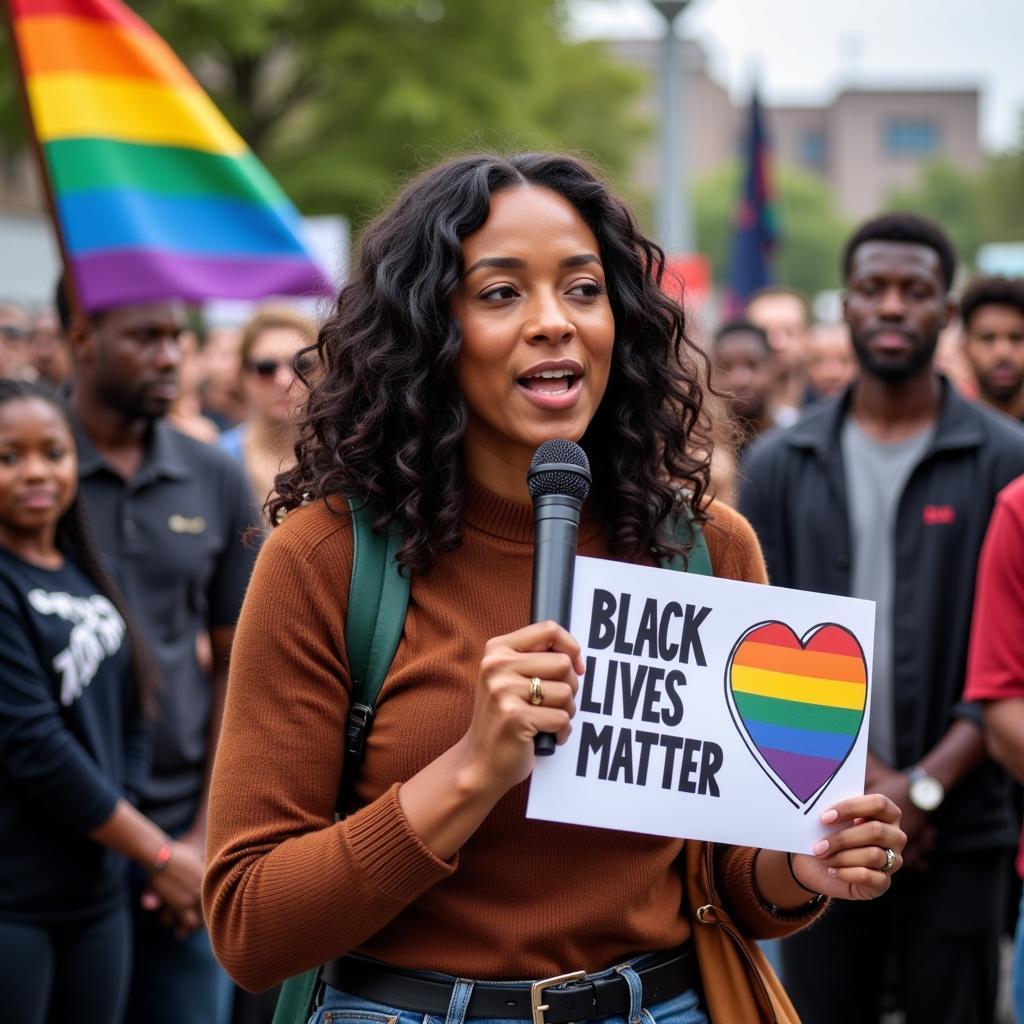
column 754, row 228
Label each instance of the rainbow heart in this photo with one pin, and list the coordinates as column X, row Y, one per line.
column 798, row 702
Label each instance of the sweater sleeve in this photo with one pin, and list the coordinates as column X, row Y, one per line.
column 755, row 918
column 733, row 545
column 287, row 887
column 138, row 746
column 42, row 759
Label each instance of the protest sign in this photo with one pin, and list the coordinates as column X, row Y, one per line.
column 710, row 709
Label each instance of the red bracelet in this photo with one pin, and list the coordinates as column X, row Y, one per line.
column 163, row 855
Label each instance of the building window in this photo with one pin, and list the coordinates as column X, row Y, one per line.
column 812, row 150
column 911, row 138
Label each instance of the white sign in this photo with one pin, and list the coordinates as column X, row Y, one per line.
column 710, row 709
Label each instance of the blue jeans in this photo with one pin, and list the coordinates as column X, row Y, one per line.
column 174, row 980
column 340, row 1008
column 1018, row 966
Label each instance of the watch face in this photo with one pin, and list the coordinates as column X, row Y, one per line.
column 926, row 793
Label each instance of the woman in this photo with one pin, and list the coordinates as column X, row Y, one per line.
column 498, row 304
column 73, row 682
column 265, row 441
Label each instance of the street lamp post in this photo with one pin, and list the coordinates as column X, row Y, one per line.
column 675, row 230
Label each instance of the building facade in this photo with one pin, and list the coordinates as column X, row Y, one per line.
column 865, row 144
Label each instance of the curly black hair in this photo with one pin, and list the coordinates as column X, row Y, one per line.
column 75, row 539
column 385, row 418
column 991, row 291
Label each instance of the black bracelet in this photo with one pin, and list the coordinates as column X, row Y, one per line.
column 789, row 861
column 794, row 912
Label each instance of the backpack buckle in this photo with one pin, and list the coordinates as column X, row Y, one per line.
column 360, row 718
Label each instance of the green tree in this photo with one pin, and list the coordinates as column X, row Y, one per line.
column 342, row 100
column 952, row 198
column 810, row 228
column 1001, row 196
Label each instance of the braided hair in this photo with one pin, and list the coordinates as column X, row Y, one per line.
column 75, row 540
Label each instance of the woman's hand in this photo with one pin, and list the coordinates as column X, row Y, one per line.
column 174, row 890
column 498, row 746
column 850, row 863
column 445, row 802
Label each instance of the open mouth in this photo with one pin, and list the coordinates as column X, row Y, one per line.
column 549, row 382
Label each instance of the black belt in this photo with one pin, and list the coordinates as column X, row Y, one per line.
column 580, row 999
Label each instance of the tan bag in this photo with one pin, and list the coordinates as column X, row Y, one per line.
column 740, row 986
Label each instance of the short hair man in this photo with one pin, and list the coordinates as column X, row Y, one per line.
column 172, row 513
column 884, row 493
column 14, row 326
column 992, row 315
column 786, row 317
column 831, row 362
column 744, row 371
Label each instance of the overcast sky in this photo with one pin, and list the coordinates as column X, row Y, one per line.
column 806, row 50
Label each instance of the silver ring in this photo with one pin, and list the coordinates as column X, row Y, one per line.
column 890, row 862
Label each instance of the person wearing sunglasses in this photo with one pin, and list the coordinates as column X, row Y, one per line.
column 272, row 392
column 14, row 342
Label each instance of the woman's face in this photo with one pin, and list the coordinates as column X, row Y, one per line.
column 272, row 391
column 38, row 469
column 537, row 330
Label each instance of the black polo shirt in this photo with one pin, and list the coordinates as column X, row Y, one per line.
column 176, row 531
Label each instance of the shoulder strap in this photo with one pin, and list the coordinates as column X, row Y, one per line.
column 378, row 597
column 689, row 533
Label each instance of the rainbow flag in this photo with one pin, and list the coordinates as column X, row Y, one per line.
column 155, row 195
column 801, row 703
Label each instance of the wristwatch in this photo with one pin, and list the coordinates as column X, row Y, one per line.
column 925, row 792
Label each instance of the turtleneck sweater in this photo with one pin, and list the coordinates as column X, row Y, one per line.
column 288, row 887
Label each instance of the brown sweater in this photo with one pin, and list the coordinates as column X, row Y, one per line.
column 288, row 888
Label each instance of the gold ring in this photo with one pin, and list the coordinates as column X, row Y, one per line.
column 536, row 691
column 890, row 862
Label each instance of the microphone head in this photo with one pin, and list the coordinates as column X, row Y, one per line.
column 559, row 467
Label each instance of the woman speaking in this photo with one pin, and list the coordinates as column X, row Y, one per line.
column 499, row 303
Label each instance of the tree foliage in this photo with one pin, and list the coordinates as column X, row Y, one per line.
column 342, row 100
column 811, row 231
column 973, row 208
column 952, row 198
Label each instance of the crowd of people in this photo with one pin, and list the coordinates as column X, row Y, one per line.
column 175, row 556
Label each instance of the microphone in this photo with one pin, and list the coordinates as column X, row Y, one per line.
column 559, row 481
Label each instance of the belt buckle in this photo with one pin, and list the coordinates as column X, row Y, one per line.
column 537, row 1008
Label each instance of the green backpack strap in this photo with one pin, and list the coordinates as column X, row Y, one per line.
column 378, row 597
column 689, row 533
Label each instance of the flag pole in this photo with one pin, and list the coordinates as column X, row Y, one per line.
column 70, row 285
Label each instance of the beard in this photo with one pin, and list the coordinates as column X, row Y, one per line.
column 999, row 392
column 894, row 371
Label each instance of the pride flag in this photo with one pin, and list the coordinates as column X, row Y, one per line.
column 155, row 195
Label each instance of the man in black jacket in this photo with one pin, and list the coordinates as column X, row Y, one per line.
column 884, row 493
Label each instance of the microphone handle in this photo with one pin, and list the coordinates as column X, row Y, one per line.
column 557, row 524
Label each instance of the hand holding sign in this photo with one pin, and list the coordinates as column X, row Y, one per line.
column 852, row 863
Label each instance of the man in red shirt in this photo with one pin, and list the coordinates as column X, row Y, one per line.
column 995, row 666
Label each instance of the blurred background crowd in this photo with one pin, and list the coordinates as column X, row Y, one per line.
column 751, row 139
